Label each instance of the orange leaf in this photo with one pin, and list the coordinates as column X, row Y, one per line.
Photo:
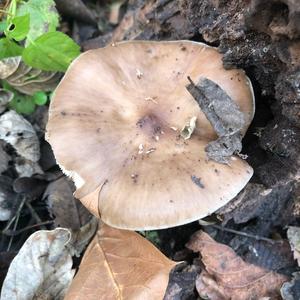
column 120, row 264
column 227, row 276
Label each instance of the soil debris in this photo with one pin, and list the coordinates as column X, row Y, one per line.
column 188, row 129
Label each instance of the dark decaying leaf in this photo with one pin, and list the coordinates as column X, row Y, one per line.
column 228, row 277
column 293, row 234
column 291, row 290
column 182, row 283
column 7, row 198
column 18, row 132
column 120, row 264
column 78, row 220
column 4, row 159
column 5, row 98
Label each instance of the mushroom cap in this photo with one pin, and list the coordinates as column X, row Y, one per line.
column 114, row 125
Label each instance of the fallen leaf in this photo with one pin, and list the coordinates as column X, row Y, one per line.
column 78, row 220
column 291, row 290
column 8, row 198
column 293, row 235
column 59, row 195
column 4, row 159
column 5, row 98
column 28, row 80
column 228, row 277
column 8, row 66
column 18, row 132
column 5, row 260
column 27, row 168
column 120, row 264
column 42, row 268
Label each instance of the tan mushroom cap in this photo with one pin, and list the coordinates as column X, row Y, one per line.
column 112, row 126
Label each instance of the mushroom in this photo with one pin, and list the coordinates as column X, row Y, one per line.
column 114, row 125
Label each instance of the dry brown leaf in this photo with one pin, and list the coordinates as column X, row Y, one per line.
column 120, row 264
column 228, row 277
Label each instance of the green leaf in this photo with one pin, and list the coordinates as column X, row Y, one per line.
column 53, row 51
column 40, row 98
column 9, row 48
column 18, row 27
column 43, row 17
column 3, row 26
column 22, row 104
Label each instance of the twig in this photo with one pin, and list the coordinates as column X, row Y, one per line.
column 35, row 215
column 248, row 235
column 15, row 227
column 16, row 214
column 17, row 232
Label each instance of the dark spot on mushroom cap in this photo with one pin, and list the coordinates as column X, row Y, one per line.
column 197, row 181
column 63, row 113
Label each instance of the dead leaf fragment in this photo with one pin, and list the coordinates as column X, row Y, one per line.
column 8, row 66
column 5, row 98
column 293, row 235
column 291, row 290
column 78, row 220
column 42, row 268
column 120, row 264
column 4, row 159
column 228, row 277
column 18, row 132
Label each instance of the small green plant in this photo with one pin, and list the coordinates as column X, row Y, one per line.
column 26, row 104
column 30, row 31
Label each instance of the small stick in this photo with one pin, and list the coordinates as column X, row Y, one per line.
column 14, row 228
column 35, row 215
column 248, row 235
column 17, row 213
column 17, row 232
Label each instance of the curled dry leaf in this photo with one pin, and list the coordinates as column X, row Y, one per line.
column 42, row 268
column 8, row 66
column 120, row 264
column 228, row 277
column 18, row 132
column 29, row 80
